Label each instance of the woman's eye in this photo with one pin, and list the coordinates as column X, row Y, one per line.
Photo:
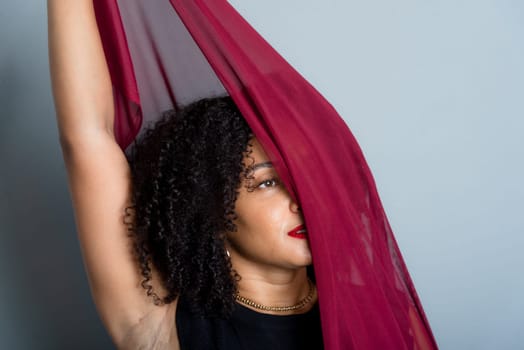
column 268, row 183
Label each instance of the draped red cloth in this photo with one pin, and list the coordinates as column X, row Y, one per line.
column 163, row 52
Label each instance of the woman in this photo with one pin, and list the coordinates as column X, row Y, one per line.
column 224, row 237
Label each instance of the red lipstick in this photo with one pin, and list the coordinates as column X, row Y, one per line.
column 298, row 232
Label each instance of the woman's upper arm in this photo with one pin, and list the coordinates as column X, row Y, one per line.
column 100, row 191
column 100, row 186
column 99, row 183
column 98, row 172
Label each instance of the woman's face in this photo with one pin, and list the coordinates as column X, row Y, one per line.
column 266, row 215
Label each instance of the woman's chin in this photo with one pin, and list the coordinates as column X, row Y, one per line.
column 303, row 257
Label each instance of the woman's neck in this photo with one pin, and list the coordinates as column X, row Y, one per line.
column 275, row 287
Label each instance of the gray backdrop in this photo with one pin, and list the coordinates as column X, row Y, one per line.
column 434, row 92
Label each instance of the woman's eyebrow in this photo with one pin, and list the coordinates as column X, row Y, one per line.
column 262, row 165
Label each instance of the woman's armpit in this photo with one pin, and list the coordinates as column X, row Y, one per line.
column 155, row 331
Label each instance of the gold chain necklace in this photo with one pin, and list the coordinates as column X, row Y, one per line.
column 297, row 306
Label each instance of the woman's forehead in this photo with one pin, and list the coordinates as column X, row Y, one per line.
column 257, row 154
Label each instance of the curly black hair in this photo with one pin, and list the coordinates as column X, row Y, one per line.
column 186, row 173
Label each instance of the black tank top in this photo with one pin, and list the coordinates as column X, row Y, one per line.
column 248, row 330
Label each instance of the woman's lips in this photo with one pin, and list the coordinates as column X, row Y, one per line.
column 298, row 232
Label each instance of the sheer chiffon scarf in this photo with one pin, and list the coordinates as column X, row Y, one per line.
column 162, row 54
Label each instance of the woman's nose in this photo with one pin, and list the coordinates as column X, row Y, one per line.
column 295, row 208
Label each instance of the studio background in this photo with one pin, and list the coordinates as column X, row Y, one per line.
column 434, row 92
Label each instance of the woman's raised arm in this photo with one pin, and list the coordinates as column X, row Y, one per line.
column 98, row 173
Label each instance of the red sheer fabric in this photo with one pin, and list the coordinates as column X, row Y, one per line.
column 163, row 52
